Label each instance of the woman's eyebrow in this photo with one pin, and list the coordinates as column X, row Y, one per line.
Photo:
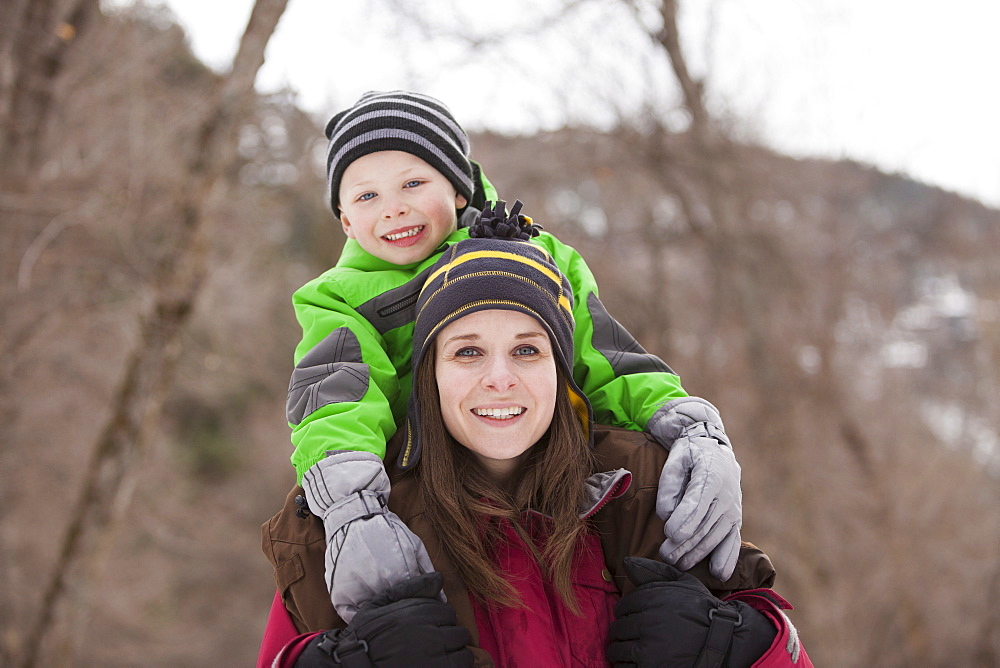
column 472, row 336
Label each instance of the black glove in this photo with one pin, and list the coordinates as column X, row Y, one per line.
column 405, row 626
column 671, row 619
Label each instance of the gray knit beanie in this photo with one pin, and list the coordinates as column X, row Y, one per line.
column 496, row 268
column 398, row 121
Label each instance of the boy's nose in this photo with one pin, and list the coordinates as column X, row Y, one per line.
column 393, row 207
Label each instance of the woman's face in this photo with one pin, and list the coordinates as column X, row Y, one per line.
column 496, row 378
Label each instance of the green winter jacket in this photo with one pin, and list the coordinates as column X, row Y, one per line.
column 351, row 381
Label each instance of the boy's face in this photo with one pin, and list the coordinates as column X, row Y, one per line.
column 397, row 206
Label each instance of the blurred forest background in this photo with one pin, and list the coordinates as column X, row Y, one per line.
column 156, row 217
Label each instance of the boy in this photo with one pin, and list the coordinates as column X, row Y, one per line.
column 402, row 184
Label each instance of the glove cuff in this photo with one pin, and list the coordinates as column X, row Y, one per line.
column 722, row 623
column 358, row 506
column 686, row 416
column 786, row 645
column 341, row 475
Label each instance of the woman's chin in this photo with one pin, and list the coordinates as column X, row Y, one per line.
column 501, row 455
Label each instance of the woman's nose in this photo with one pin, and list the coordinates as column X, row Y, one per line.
column 500, row 374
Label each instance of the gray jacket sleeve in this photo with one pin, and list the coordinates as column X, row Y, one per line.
column 369, row 549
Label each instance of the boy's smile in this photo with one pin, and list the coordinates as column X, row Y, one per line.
column 406, row 237
column 397, row 206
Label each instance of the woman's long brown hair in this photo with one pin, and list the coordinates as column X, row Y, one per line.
column 465, row 504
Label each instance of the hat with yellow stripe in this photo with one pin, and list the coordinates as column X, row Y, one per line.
column 496, row 268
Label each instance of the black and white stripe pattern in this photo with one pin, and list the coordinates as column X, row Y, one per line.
column 398, row 121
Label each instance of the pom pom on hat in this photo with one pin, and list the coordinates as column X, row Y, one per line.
column 494, row 223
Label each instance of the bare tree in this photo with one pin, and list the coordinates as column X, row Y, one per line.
column 108, row 479
column 715, row 191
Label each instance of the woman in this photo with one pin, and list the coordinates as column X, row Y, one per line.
column 496, row 475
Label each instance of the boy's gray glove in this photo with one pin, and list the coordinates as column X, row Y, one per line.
column 369, row 549
column 699, row 496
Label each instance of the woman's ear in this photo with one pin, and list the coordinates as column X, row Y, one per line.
column 346, row 224
column 460, row 200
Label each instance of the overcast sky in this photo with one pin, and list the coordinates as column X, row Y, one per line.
column 907, row 85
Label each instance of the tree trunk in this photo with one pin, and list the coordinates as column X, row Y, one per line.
column 724, row 191
column 148, row 373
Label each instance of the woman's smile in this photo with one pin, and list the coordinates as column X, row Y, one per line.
column 500, row 413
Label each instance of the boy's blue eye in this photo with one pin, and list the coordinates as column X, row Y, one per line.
column 366, row 196
column 412, row 184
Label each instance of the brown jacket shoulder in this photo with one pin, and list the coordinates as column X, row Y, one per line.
column 629, row 526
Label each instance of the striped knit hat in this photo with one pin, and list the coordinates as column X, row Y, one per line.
column 502, row 272
column 398, row 121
